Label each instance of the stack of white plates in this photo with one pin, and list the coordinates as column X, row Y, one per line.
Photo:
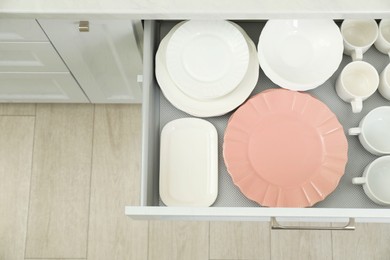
column 207, row 68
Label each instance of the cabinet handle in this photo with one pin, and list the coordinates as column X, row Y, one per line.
column 350, row 226
column 84, row 26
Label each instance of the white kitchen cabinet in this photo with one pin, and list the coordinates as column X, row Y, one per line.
column 58, row 87
column 21, row 30
column 30, row 57
column 31, row 69
column 346, row 204
column 105, row 60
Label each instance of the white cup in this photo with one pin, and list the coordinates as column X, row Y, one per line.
column 374, row 131
column 356, row 82
column 384, row 82
column 382, row 43
column 375, row 180
column 358, row 36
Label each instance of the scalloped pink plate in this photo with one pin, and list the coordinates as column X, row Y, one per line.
column 285, row 149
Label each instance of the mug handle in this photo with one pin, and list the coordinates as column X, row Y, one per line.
column 357, row 54
column 359, row 180
column 354, row 131
column 357, row 105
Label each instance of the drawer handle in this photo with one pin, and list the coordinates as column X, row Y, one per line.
column 84, row 26
column 350, row 226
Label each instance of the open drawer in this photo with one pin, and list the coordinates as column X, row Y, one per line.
column 347, row 201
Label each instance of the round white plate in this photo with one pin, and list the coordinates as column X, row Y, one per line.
column 300, row 54
column 207, row 59
column 206, row 108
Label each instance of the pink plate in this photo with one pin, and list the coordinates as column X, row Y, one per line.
column 285, row 149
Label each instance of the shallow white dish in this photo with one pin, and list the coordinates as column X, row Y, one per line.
column 189, row 163
column 212, row 107
column 207, row 58
column 300, row 54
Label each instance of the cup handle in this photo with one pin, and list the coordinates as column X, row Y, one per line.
column 354, row 131
column 357, row 105
column 357, row 54
column 359, row 180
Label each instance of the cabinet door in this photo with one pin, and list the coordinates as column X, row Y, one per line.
column 105, row 61
column 40, row 88
column 21, row 30
column 30, row 57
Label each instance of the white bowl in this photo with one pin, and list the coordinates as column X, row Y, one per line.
column 300, row 54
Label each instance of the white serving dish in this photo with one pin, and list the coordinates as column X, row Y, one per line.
column 189, row 163
column 300, row 54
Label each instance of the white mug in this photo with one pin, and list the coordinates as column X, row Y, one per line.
column 384, row 82
column 356, row 82
column 374, row 131
column 382, row 43
column 375, row 180
column 358, row 36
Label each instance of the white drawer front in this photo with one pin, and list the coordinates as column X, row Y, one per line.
column 40, row 87
column 21, row 30
column 30, row 57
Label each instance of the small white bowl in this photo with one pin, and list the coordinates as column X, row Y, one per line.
column 300, row 54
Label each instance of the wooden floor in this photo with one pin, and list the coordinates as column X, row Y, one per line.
column 68, row 171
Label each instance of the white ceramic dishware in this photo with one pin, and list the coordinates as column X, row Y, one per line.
column 189, row 163
column 384, row 82
column 207, row 58
column 356, row 82
column 374, row 131
column 376, row 180
column 212, row 107
column 300, row 54
column 382, row 43
column 358, row 35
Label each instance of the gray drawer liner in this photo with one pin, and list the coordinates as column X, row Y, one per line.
column 346, row 194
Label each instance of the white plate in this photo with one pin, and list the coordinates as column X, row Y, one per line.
column 207, row 59
column 206, row 108
column 300, row 54
column 189, row 163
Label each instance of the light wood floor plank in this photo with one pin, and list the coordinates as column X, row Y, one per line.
column 239, row 240
column 16, row 145
column 287, row 244
column 368, row 241
column 60, row 185
column 115, row 184
column 178, row 240
column 17, row 109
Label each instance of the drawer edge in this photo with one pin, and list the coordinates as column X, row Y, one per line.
column 257, row 214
